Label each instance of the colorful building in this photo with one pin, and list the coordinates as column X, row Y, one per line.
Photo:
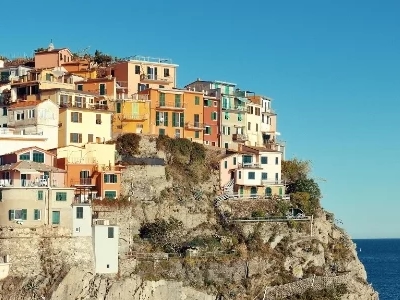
column 104, row 87
column 132, row 114
column 253, row 124
column 176, row 113
column 253, row 171
column 212, row 119
column 51, row 57
column 32, row 191
column 140, row 73
column 91, row 170
column 80, row 68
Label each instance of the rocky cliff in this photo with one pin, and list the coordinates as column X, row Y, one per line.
column 177, row 243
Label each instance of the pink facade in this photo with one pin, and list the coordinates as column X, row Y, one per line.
column 226, row 167
column 49, row 158
column 53, row 58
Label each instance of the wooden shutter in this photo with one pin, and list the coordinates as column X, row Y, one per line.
column 182, row 119
column 157, row 118
column 166, row 119
column 173, row 119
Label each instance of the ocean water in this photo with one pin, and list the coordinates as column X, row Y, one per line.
column 381, row 258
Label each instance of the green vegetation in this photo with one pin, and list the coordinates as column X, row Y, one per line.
column 128, row 144
column 331, row 293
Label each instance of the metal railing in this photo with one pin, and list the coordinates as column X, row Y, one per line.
column 171, row 104
column 235, row 196
column 249, row 165
column 83, row 181
column 239, row 137
column 195, row 125
column 153, row 77
column 135, row 117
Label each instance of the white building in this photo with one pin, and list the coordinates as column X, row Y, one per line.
column 81, row 219
column 253, row 124
column 105, row 241
column 35, row 118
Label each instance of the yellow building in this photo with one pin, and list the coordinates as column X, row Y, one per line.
column 83, row 118
column 176, row 113
column 132, row 114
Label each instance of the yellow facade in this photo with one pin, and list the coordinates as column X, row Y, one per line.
column 176, row 113
column 132, row 115
column 102, row 154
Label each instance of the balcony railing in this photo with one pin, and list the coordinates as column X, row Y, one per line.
column 97, row 106
column 83, row 181
column 81, row 160
column 249, row 166
column 234, row 108
column 268, row 111
column 258, row 196
column 9, row 131
column 195, row 125
column 170, row 105
column 135, row 117
column 133, row 97
column 26, row 183
column 272, row 181
column 24, row 122
column 239, row 137
column 155, row 78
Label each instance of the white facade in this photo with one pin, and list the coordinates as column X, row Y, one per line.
column 11, row 141
column 253, row 125
column 41, row 118
column 105, row 243
column 81, row 220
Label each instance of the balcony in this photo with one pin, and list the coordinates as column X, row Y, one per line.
column 272, row 182
column 195, row 126
column 241, row 138
column 268, row 112
column 81, row 160
column 132, row 97
column 265, row 128
column 83, row 182
column 94, row 106
column 24, row 122
column 135, row 117
column 152, row 78
column 235, row 108
column 39, row 182
column 170, row 105
column 249, row 166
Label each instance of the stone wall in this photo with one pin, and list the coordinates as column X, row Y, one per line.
column 32, row 251
column 143, row 182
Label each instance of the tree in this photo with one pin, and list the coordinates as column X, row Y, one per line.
column 128, row 144
column 295, row 169
column 101, row 58
column 305, row 185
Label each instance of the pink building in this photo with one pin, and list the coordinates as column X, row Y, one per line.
column 51, row 57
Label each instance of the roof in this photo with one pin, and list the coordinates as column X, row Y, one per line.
column 31, row 165
column 21, row 104
column 70, row 91
column 52, row 51
column 30, row 148
column 212, row 81
column 261, row 149
column 96, row 80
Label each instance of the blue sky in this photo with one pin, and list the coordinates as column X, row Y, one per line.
column 332, row 68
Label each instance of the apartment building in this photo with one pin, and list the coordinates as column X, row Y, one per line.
column 32, row 191
column 81, row 68
column 253, row 124
column 140, row 73
column 52, row 57
column 212, row 119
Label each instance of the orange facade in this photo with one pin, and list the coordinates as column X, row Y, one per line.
column 102, row 86
column 176, row 113
column 80, row 68
column 90, row 180
column 52, row 58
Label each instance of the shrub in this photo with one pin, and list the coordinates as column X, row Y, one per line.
column 128, row 144
column 258, row 214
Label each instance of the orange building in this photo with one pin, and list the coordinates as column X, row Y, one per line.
column 176, row 113
column 80, row 68
column 51, row 57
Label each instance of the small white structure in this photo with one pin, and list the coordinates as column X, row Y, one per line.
column 5, row 266
column 81, row 219
column 105, row 242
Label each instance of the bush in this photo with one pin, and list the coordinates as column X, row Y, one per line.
column 258, row 214
column 128, row 144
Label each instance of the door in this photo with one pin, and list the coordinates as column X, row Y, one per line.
column 196, row 121
column 280, row 191
column 241, row 191
column 24, row 179
column 84, row 177
column 268, row 191
column 55, row 218
column 253, row 191
column 102, row 89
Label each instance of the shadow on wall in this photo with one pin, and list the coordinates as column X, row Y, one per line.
column 147, row 161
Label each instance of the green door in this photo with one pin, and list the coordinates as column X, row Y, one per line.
column 268, row 191
column 241, row 191
column 55, row 219
column 102, row 89
column 253, row 191
column 118, row 108
column 280, row 191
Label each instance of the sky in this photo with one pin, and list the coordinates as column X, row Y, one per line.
column 331, row 67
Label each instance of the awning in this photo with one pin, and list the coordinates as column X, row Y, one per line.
column 28, row 171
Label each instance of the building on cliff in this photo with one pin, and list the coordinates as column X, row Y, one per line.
column 32, row 191
column 105, row 243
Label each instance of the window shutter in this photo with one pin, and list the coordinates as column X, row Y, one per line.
column 229, row 131
column 80, row 118
column 24, row 214
column 182, row 119
column 157, row 118
column 70, row 137
column 174, row 119
column 166, row 119
column 80, row 138
column 72, row 116
column 11, row 214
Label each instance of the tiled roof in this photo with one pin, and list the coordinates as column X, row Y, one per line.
column 51, row 51
column 24, row 104
column 30, row 165
column 95, row 80
column 31, row 148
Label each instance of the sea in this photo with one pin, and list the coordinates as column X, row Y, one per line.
column 381, row 259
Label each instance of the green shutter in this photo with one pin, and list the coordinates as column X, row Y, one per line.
column 166, row 119
column 40, row 195
column 118, row 108
column 197, row 134
column 197, row 100
column 55, row 217
column 102, row 89
column 157, row 118
column 173, row 119
column 182, row 119
column 24, row 214
column 11, row 214
column 36, row 214
column 61, row 196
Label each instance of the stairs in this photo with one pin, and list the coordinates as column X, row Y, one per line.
column 228, row 188
column 228, row 192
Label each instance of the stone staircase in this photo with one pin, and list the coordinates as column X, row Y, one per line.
column 228, row 192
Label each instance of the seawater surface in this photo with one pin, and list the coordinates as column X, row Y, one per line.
column 381, row 258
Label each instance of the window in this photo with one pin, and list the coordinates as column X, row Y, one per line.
column 137, row 69
column 226, row 116
column 196, row 100
column 177, row 100
column 277, row 160
column 208, row 130
column 4, row 111
column 161, row 131
column 37, row 214
column 119, row 108
column 79, row 212
column 78, row 101
column 75, row 137
column 251, row 175
column 215, row 104
column 225, row 164
column 248, row 126
column 90, row 138
column 161, row 86
column 247, row 159
column 264, row 160
column 55, row 218
column 256, row 127
column 240, row 175
column 76, row 117
column 98, row 118
column 110, row 232
column 197, row 134
column 48, row 77
column 226, row 130
column 226, row 145
column 17, row 214
column 161, row 118
column 40, row 195
column 177, row 119
column 234, row 161
column 110, row 194
column 177, row 133
column 110, row 178
column 161, row 99
column 102, row 88
column 214, row 116
column 31, row 114
column 25, row 156
column 264, row 176
column 206, row 102
column 38, row 156
column 240, row 117
column 80, row 87
column 61, row 196
column 276, row 176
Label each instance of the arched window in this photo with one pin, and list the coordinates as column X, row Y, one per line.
column 268, row 191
